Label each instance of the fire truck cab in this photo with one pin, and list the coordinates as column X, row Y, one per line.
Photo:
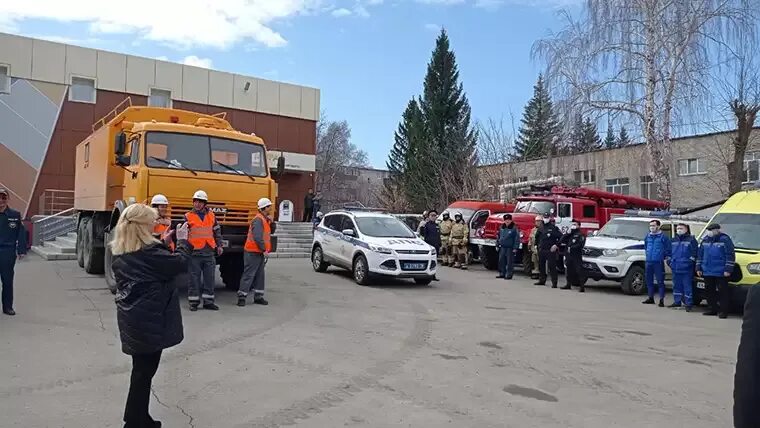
column 591, row 207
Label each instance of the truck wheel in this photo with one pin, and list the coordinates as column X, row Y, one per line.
column 80, row 240
column 490, row 258
column 231, row 270
column 634, row 282
column 110, row 279
column 93, row 256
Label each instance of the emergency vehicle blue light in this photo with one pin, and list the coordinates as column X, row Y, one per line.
column 643, row 213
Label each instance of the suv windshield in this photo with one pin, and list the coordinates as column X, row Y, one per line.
column 627, row 229
column 466, row 213
column 744, row 229
column 538, row 207
column 383, row 227
column 204, row 153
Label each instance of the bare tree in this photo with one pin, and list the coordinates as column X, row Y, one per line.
column 336, row 154
column 496, row 152
column 646, row 59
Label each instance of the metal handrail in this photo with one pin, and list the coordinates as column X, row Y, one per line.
column 102, row 121
column 60, row 214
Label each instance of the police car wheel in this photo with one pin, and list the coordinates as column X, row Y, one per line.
column 634, row 283
column 361, row 271
column 317, row 260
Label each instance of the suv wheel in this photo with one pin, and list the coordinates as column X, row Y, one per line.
column 318, row 260
column 361, row 271
column 634, row 282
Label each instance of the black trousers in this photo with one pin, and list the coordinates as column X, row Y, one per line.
column 307, row 214
column 747, row 377
column 547, row 265
column 718, row 294
column 574, row 272
column 137, row 411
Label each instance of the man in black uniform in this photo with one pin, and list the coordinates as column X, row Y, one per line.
column 12, row 248
column 548, row 252
column 574, row 242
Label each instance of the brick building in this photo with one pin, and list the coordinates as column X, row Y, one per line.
column 698, row 169
column 52, row 93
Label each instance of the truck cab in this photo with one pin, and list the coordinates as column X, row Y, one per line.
column 475, row 213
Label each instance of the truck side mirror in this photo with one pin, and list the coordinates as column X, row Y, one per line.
column 122, row 160
column 280, row 164
column 120, row 144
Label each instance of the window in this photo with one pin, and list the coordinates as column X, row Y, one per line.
column 564, row 210
column 589, row 211
column 333, row 221
column 383, row 227
column 5, row 79
column 82, row 90
column 752, row 167
column 537, row 207
column 204, row 153
column 648, row 188
column 585, row 177
column 691, row 166
column 160, row 98
column 347, row 224
column 522, row 179
column 134, row 152
column 618, row 185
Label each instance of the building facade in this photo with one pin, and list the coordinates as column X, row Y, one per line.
column 52, row 93
column 354, row 185
column 698, row 169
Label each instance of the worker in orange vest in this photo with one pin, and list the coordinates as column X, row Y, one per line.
column 258, row 244
column 206, row 239
column 162, row 228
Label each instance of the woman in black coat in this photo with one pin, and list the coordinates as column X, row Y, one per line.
column 147, row 302
column 747, row 377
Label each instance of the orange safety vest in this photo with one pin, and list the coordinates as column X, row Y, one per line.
column 250, row 245
column 159, row 230
column 201, row 233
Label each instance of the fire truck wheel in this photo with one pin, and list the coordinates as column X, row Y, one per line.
column 634, row 283
column 490, row 258
column 231, row 270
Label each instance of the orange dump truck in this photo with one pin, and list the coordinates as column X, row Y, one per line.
column 136, row 152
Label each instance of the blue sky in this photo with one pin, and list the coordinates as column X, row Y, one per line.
column 368, row 57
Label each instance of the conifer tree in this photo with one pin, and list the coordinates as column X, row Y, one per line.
column 623, row 139
column 610, row 142
column 539, row 124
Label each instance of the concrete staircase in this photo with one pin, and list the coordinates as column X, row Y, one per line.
column 61, row 248
column 293, row 241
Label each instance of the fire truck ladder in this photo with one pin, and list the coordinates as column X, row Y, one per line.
column 609, row 199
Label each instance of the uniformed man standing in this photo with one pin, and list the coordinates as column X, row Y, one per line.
column 12, row 247
column 458, row 241
column 258, row 244
column 424, row 220
column 532, row 250
column 445, row 226
column 574, row 242
column 206, row 239
column 548, row 252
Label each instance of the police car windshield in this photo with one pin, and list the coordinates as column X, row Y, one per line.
column 625, row 229
column 744, row 229
column 383, row 227
column 537, row 207
column 203, row 153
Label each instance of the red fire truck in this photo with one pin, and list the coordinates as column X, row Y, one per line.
column 592, row 207
column 475, row 213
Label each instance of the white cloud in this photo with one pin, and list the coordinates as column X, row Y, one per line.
column 339, row 13
column 198, row 62
column 180, row 23
column 433, row 27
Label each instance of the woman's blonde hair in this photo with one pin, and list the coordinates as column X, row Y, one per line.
column 134, row 229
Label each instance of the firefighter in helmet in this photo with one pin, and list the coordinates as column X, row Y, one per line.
column 458, row 241
column 533, row 239
column 162, row 229
column 446, row 224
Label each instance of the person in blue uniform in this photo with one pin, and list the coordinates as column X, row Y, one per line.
column 508, row 243
column 715, row 263
column 12, row 247
column 682, row 263
column 657, row 248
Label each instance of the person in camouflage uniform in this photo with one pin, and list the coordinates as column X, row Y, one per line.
column 458, row 241
column 446, row 224
column 535, row 235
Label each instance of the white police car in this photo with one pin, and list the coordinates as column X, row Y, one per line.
column 372, row 244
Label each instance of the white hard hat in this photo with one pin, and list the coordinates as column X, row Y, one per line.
column 201, row 195
column 159, row 200
column 458, row 214
column 264, row 202
column 319, row 214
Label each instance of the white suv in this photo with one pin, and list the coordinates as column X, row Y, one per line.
column 372, row 244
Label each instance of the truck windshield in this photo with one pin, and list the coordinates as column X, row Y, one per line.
column 204, row 153
column 744, row 229
column 537, row 207
column 383, row 227
column 625, row 229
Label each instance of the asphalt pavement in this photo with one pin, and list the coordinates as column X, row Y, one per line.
column 467, row 351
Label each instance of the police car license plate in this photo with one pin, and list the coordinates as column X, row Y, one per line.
column 700, row 285
column 414, row 266
column 588, row 266
column 225, row 243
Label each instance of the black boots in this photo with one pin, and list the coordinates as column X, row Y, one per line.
column 674, row 305
column 210, row 306
column 649, row 301
column 662, row 303
column 193, row 306
column 241, row 301
column 582, row 289
column 259, row 300
column 566, row 287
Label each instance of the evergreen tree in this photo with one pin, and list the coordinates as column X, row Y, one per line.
column 539, row 124
column 623, row 139
column 575, row 139
column 397, row 158
column 591, row 140
column 610, row 142
column 446, row 156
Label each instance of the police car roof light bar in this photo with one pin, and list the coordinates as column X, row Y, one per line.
column 665, row 214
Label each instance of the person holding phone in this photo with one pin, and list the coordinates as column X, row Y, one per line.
column 147, row 302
